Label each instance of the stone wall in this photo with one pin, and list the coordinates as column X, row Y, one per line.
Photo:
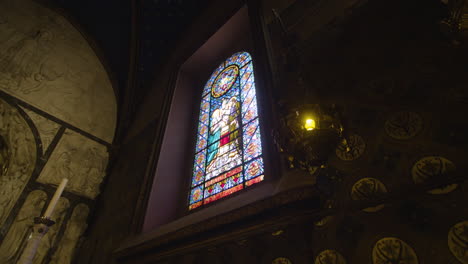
column 115, row 219
column 57, row 120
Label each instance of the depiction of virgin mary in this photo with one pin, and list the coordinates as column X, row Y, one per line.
column 223, row 141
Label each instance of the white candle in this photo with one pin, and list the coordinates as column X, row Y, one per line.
column 55, row 198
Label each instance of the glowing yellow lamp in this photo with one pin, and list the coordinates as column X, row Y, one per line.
column 309, row 124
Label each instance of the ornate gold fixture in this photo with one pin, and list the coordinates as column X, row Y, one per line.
column 310, row 133
column 456, row 24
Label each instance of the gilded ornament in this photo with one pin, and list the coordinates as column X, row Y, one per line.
column 403, row 125
column 433, row 168
column 458, row 241
column 351, row 149
column 324, row 221
column 393, row 250
column 330, row 256
column 368, row 189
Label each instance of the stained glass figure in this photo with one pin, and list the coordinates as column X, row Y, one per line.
column 228, row 152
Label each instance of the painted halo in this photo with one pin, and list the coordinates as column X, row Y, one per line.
column 224, row 81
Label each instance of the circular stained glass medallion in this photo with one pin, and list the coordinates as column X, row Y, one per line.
column 224, row 81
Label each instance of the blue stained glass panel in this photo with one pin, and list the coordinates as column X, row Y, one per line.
column 205, row 105
column 252, row 142
column 246, row 68
column 198, row 176
column 233, row 59
column 200, row 159
column 254, row 168
column 245, row 78
column 251, row 112
column 246, row 73
column 203, row 130
column 249, row 85
column 223, row 185
column 249, row 107
column 209, row 84
column 239, row 58
column 202, row 134
column 243, row 58
column 204, row 118
column 196, row 194
column 228, row 150
column 201, row 144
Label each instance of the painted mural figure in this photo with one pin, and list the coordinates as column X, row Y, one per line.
column 75, row 227
column 20, row 144
column 4, row 119
column 20, row 60
column 4, row 156
column 46, row 62
column 62, row 168
column 12, row 183
column 223, row 140
column 17, row 159
column 7, row 30
column 92, row 171
column 16, row 237
column 4, row 149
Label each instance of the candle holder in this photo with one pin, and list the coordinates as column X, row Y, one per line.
column 310, row 133
column 41, row 227
column 43, row 221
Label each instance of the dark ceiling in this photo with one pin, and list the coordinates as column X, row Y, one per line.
column 160, row 24
column 109, row 24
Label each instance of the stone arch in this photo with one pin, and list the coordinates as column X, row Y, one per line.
column 47, row 63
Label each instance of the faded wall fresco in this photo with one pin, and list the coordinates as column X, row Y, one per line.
column 17, row 157
column 79, row 159
column 46, row 128
column 73, row 232
column 15, row 240
column 55, row 96
column 47, row 63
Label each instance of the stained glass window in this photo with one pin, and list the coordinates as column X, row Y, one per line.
column 228, row 152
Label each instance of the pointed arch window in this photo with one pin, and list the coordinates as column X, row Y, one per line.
column 228, row 152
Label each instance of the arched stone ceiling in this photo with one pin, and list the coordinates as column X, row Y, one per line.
column 46, row 62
